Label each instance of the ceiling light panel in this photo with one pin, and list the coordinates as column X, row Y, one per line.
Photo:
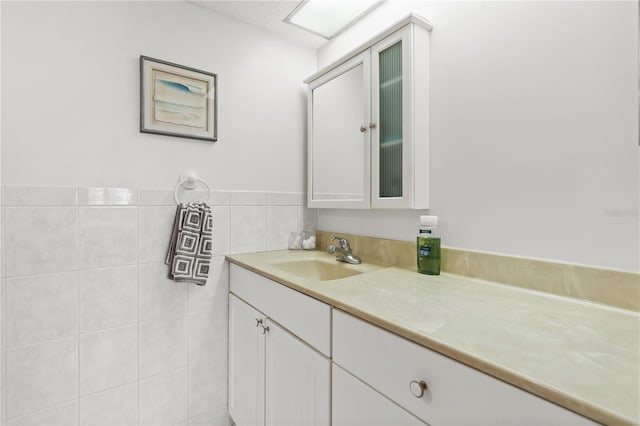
column 329, row 18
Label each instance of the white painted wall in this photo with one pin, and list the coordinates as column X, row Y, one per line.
column 70, row 84
column 534, row 138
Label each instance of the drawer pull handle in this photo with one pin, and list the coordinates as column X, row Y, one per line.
column 417, row 388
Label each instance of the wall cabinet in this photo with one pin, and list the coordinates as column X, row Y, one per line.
column 275, row 378
column 368, row 115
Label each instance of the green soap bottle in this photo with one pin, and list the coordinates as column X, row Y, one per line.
column 428, row 246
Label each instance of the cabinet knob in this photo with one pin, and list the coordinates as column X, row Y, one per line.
column 265, row 329
column 363, row 129
column 372, row 125
column 417, row 388
column 258, row 322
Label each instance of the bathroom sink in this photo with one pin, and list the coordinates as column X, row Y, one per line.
column 318, row 269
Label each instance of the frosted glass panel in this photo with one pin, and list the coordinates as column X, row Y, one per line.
column 390, row 121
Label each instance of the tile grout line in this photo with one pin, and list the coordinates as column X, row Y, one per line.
column 3, row 353
column 67, row 401
column 138, row 380
column 77, row 267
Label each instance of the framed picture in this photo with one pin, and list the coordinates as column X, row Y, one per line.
column 177, row 100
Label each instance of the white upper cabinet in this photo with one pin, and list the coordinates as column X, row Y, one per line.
column 369, row 124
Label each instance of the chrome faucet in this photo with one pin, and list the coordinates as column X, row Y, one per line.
column 342, row 251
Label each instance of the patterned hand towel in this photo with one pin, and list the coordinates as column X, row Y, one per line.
column 189, row 254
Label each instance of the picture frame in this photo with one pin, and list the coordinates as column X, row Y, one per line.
column 176, row 100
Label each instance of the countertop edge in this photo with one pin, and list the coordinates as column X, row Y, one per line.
column 555, row 396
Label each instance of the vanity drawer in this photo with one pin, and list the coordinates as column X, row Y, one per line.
column 304, row 316
column 455, row 394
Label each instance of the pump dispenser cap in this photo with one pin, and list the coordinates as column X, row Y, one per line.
column 429, row 220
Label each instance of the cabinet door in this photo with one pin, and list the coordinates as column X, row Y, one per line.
column 391, row 111
column 297, row 379
column 399, row 104
column 246, row 364
column 456, row 394
column 356, row 404
column 339, row 147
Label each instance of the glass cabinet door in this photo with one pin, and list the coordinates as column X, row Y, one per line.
column 390, row 121
column 391, row 110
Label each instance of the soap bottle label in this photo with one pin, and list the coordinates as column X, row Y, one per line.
column 428, row 255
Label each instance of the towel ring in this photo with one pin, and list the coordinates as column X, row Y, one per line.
column 189, row 182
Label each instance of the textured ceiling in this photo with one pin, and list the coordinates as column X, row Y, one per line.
column 265, row 14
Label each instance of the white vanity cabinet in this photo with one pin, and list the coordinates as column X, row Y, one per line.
column 355, row 403
column 279, row 342
column 246, row 363
column 453, row 394
column 368, row 115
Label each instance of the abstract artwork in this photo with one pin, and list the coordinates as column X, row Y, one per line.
column 177, row 101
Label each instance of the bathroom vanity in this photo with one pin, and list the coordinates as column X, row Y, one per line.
column 375, row 345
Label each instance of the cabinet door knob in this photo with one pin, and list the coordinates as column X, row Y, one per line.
column 417, row 388
column 265, row 329
column 258, row 322
column 372, row 125
column 363, row 129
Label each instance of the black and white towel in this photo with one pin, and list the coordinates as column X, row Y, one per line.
column 190, row 247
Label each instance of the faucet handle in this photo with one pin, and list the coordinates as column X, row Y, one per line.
column 342, row 242
column 331, row 249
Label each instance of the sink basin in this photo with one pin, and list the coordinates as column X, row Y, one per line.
column 316, row 269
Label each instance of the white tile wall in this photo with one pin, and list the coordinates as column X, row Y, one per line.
column 108, row 358
column 203, row 389
column 215, row 293
column 39, row 196
column 160, row 298
column 60, row 415
column 281, row 220
column 106, row 196
column 248, row 229
column 248, row 198
column 93, row 332
column 215, row 416
column 107, row 236
column 163, row 345
column 39, row 240
column 222, row 230
column 41, row 375
column 41, row 308
column 117, row 406
column 107, row 298
column 163, row 399
column 207, row 345
column 155, row 225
